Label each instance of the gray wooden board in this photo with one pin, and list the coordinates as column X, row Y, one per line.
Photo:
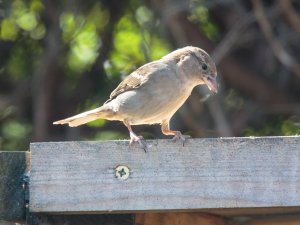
column 230, row 173
column 12, row 195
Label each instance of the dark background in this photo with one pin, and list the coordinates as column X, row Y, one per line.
column 62, row 57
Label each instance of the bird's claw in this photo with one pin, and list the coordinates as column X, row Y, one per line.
column 180, row 137
column 140, row 140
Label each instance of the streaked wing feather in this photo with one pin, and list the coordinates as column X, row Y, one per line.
column 132, row 81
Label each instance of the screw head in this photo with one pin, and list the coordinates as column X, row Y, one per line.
column 122, row 172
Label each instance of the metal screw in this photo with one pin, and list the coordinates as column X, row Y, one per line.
column 122, row 172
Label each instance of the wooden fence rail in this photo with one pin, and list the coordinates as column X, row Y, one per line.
column 227, row 173
column 229, row 178
column 12, row 193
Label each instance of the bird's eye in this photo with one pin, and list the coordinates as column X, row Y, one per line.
column 204, row 66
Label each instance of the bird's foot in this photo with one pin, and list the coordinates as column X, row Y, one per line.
column 139, row 139
column 180, row 137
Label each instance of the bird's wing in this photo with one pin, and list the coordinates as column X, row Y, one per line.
column 136, row 79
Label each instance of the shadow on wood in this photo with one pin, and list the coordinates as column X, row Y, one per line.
column 44, row 219
column 179, row 219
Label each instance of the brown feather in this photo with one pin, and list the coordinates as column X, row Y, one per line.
column 133, row 80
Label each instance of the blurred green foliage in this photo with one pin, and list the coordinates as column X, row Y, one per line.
column 81, row 35
column 14, row 134
column 282, row 127
column 200, row 15
column 137, row 39
column 80, row 32
column 23, row 17
column 132, row 41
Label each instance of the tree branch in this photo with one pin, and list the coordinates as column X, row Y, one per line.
column 282, row 55
column 290, row 14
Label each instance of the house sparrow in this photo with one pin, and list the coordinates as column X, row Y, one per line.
column 154, row 92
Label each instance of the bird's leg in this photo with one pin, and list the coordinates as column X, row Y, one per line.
column 135, row 138
column 165, row 128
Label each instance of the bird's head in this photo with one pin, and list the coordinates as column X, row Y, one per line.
column 207, row 69
column 198, row 66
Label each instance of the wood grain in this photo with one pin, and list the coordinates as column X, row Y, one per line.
column 182, row 218
column 224, row 173
column 12, row 195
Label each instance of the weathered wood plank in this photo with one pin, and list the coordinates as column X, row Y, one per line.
column 228, row 173
column 12, row 196
column 94, row 219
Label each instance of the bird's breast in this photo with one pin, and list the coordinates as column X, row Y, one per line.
column 152, row 102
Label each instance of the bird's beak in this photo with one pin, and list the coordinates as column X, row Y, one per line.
column 211, row 83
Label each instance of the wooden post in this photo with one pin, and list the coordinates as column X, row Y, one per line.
column 12, row 193
column 222, row 175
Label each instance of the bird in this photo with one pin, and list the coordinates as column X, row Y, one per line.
column 154, row 92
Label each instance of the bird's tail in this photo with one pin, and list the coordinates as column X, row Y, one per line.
column 86, row 117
